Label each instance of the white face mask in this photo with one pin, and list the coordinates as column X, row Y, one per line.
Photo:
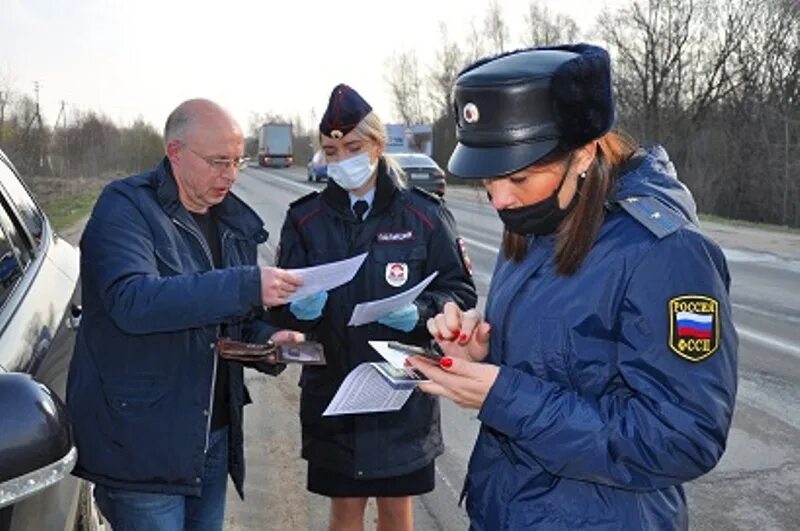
column 352, row 173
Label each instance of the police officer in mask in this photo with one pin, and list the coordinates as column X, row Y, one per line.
column 409, row 234
column 604, row 371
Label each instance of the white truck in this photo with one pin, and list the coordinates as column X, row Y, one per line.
column 275, row 145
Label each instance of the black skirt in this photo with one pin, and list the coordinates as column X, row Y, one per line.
column 335, row 485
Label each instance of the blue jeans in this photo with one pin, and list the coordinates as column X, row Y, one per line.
column 128, row 510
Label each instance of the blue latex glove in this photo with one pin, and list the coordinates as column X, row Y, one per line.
column 309, row 308
column 404, row 319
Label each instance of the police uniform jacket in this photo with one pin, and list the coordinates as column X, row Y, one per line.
column 617, row 384
column 141, row 381
column 415, row 232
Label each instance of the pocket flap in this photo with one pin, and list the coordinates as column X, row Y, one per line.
column 394, row 253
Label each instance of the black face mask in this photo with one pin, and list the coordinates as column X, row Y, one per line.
column 539, row 218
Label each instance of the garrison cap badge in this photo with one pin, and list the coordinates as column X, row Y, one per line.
column 694, row 326
column 346, row 108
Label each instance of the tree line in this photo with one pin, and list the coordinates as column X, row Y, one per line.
column 85, row 144
column 717, row 82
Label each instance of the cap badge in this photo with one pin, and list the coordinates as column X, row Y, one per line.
column 471, row 114
column 336, row 134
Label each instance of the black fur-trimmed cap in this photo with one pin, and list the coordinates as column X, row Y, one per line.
column 346, row 108
column 513, row 109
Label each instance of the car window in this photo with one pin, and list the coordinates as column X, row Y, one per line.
column 29, row 214
column 10, row 268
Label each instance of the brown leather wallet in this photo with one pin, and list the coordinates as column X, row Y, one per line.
column 305, row 352
column 238, row 351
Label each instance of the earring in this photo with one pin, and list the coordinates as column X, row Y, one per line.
column 582, row 175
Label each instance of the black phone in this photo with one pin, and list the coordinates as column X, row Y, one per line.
column 433, row 352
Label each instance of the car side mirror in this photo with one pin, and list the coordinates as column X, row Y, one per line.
column 36, row 447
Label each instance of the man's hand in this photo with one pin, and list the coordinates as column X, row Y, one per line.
column 463, row 335
column 277, row 285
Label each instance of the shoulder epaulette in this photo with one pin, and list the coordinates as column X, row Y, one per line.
column 657, row 217
column 430, row 196
column 305, row 198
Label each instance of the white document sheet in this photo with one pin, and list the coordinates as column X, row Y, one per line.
column 368, row 312
column 326, row 276
column 364, row 390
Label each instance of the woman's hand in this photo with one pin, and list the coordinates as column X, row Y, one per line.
column 467, row 383
column 463, row 335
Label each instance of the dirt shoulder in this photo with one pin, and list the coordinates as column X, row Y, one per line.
column 778, row 242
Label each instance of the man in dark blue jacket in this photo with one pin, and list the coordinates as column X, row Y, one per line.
column 168, row 262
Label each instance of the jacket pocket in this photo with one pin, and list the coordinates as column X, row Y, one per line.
column 554, row 347
column 134, row 395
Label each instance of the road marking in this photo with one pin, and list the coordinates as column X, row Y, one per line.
column 766, row 313
column 446, row 481
column 783, row 346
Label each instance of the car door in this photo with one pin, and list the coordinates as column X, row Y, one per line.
column 39, row 279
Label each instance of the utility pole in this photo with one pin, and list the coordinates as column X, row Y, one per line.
column 785, row 217
column 3, row 100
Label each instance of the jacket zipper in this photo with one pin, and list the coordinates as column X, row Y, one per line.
column 210, row 410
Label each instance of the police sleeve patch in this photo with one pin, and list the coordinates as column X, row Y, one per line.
column 694, row 326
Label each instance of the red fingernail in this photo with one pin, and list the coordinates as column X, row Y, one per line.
column 463, row 338
column 446, row 362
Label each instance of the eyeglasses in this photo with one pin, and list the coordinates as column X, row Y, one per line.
column 219, row 165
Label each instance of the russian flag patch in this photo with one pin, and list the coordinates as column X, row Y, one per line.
column 694, row 326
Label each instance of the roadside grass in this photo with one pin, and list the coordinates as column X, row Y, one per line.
column 67, row 200
column 750, row 224
column 66, row 211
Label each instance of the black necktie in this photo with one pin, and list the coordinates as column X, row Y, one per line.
column 360, row 207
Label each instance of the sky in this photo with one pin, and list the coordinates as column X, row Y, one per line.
column 134, row 59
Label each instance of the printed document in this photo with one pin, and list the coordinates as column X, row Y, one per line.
column 376, row 387
column 368, row 312
column 364, row 390
column 326, row 276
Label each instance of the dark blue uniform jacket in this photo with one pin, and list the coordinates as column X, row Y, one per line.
column 617, row 384
column 409, row 227
column 140, row 386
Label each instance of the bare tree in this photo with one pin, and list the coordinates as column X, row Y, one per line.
column 544, row 27
column 406, row 88
column 496, row 27
column 448, row 61
column 476, row 42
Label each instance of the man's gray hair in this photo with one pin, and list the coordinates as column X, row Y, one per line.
column 178, row 123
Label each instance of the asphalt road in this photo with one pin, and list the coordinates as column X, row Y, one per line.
column 755, row 486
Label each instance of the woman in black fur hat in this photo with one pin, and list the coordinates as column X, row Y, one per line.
column 604, row 372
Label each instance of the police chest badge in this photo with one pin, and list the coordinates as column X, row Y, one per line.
column 396, row 274
column 694, row 326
